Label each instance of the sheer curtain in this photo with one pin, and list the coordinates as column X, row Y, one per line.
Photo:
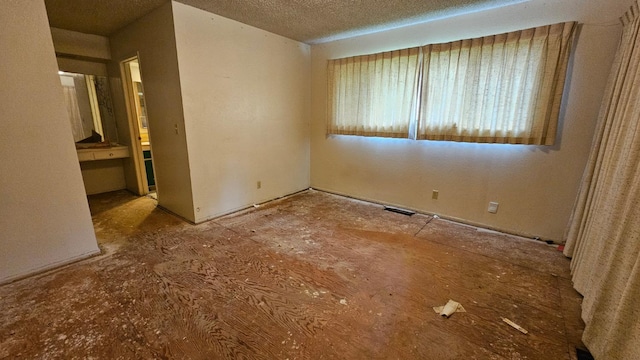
column 71, row 102
column 373, row 95
column 505, row 88
column 603, row 238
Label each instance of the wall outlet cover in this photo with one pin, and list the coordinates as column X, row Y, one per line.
column 493, row 207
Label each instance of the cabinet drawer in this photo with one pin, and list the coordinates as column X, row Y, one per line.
column 111, row 154
column 85, row 155
column 115, row 152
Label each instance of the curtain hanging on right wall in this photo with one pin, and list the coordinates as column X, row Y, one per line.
column 603, row 238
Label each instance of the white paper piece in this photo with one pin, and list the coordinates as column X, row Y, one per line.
column 515, row 326
column 449, row 308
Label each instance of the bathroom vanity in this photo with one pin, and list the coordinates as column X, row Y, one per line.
column 102, row 168
column 91, row 115
column 102, row 153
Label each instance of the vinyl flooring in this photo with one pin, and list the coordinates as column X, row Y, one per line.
column 310, row 276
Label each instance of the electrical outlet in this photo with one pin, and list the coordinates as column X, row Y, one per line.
column 493, row 207
column 434, row 195
column 259, row 184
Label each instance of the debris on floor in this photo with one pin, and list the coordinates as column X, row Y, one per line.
column 515, row 326
column 342, row 278
column 449, row 308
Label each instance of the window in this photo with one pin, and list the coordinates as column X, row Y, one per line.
column 504, row 88
column 374, row 95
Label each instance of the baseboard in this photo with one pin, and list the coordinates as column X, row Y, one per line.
column 422, row 211
column 245, row 207
column 43, row 269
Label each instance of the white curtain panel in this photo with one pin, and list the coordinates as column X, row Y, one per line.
column 71, row 102
column 603, row 238
column 373, row 95
column 505, row 88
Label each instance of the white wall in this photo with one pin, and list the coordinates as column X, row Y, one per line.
column 246, row 95
column 535, row 186
column 44, row 214
column 152, row 36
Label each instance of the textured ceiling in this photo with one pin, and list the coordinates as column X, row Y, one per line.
column 303, row 20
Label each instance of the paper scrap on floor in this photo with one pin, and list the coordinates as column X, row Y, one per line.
column 449, row 308
column 515, row 326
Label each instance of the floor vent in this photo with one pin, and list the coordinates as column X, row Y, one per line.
column 399, row 211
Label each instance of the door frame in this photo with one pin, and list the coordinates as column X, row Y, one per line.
column 134, row 132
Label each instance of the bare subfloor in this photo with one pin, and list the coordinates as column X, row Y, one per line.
column 312, row 276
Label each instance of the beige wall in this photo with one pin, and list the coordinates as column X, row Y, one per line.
column 82, row 66
column 44, row 215
column 67, row 42
column 152, row 36
column 535, row 186
column 102, row 176
column 246, row 95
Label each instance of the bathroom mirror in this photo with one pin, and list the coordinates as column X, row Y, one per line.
column 90, row 110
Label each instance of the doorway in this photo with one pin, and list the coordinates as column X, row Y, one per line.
column 139, row 126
